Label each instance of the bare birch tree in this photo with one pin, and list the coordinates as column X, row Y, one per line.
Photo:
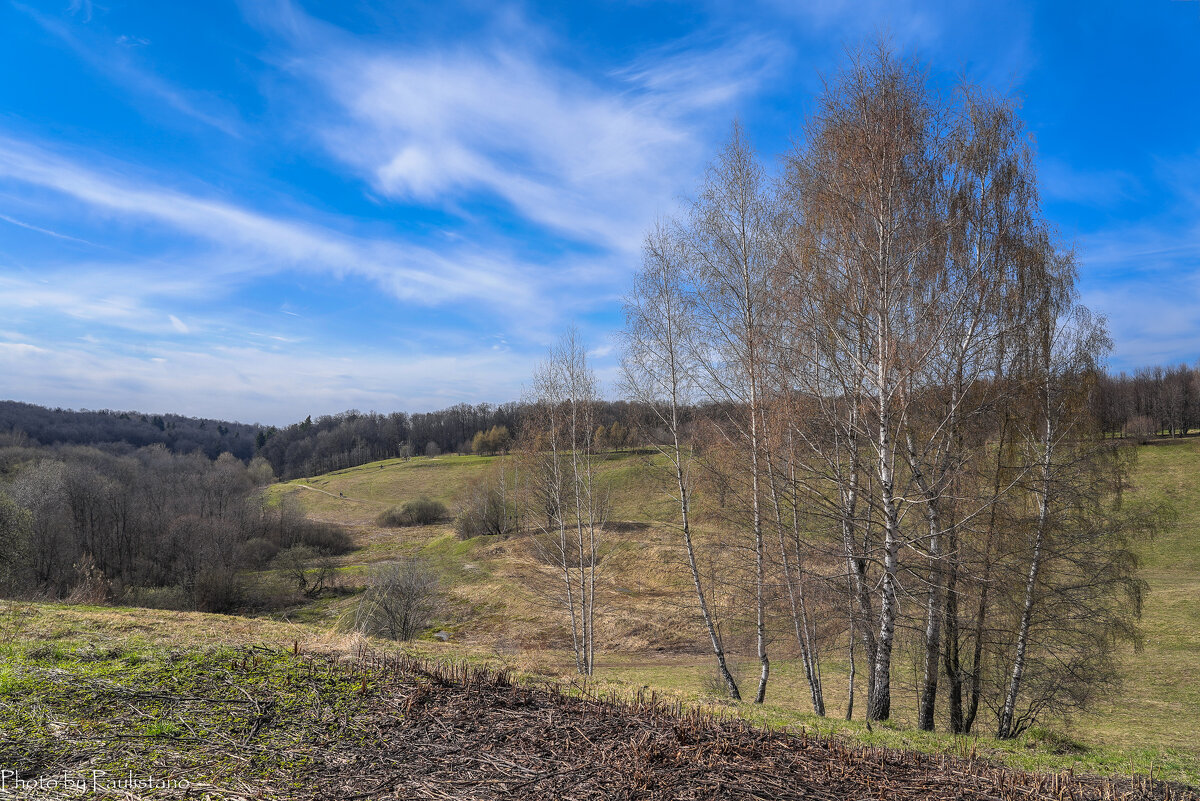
column 897, row 378
column 868, row 175
column 733, row 246
column 659, row 372
column 1080, row 593
column 561, row 481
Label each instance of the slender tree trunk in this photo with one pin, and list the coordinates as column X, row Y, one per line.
column 985, row 581
column 563, row 551
column 856, row 562
column 952, row 657
column 577, row 490
column 1006, row 728
column 881, row 698
column 752, row 368
column 933, row 627
column 816, row 683
column 713, row 637
column 660, row 328
column 977, row 654
column 759, row 567
column 933, row 604
column 853, row 666
column 795, row 592
column 685, row 513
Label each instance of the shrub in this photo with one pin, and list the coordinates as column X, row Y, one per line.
column 14, row 533
column 392, row 517
column 712, row 683
column 400, row 600
column 174, row 598
column 308, row 571
column 91, row 586
column 1142, row 428
column 324, row 538
column 420, row 512
column 270, row 592
column 255, row 553
column 488, row 508
column 218, row 590
column 488, row 514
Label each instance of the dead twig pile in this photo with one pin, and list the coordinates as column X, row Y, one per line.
column 460, row 732
column 261, row 723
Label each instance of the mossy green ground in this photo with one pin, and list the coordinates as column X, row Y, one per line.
column 95, row 694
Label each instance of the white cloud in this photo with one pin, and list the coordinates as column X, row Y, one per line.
column 46, row 231
column 120, row 296
column 592, row 157
column 1145, row 279
column 264, row 244
column 252, row 384
column 178, row 324
column 19, row 350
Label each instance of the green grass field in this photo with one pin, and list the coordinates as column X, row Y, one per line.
column 1160, row 703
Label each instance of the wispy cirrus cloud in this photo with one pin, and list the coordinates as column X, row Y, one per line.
column 277, row 208
column 589, row 156
column 267, row 244
column 1145, row 278
column 46, row 231
column 530, row 178
column 1102, row 188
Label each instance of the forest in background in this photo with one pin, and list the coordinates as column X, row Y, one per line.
column 1150, row 402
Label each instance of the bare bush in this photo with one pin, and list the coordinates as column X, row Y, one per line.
column 400, row 601
column 489, row 509
column 91, row 586
column 257, row 552
column 307, row 570
column 218, row 590
column 715, row 684
column 1141, row 428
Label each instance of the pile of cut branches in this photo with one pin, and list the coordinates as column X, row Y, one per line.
column 260, row 723
column 459, row 732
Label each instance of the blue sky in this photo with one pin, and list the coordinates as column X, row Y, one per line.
column 265, row 210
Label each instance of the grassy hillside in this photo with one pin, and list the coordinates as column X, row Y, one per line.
column 502, row 595
column 650, row 635
column 1160, row 702
column 110, row 687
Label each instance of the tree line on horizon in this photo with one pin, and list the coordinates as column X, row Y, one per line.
column 1148, row 403
column 125, row 431
column 1152, row 402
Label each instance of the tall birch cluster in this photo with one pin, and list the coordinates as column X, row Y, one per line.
column 872, row 379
